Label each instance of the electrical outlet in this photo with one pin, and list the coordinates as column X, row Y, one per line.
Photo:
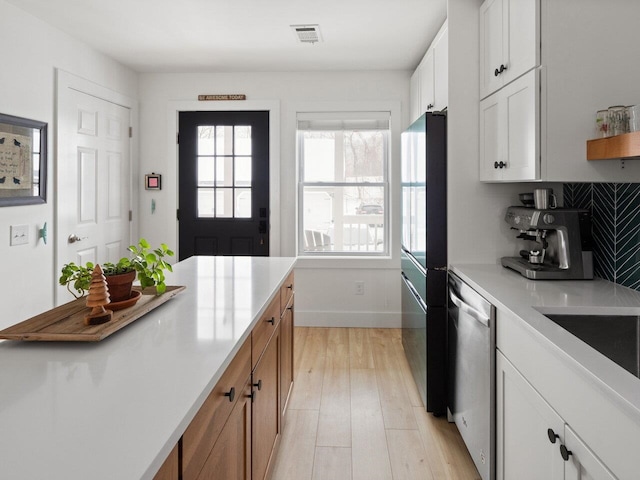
column 19, row 235
column 359, row 288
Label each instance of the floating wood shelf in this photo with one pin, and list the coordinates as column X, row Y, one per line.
column 620, row 146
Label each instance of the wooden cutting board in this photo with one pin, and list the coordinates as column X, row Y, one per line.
column 66, row 322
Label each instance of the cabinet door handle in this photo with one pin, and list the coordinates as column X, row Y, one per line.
column 231, row 394
column 258, row 385
column 430, row 106
column 552, row 435
column 565, row 453
column 500, row 164
column 272, row 321
column 290, row 287
column 500, row 70
column 496, row 72
column 252, row 396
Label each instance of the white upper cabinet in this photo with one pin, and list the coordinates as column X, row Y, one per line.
column 430, row 81
column 509, row 132
column 578, row 74
column 441, row 69
column 509, row 42
column 427, row 82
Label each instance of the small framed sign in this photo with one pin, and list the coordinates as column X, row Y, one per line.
column 23, row 161
column 153, row 181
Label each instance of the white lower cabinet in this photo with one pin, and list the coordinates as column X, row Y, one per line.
column 524, row 451
column 533, row 441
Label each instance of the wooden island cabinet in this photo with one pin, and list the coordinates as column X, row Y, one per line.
column 235, row 435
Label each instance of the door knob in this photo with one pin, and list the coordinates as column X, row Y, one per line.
column 73, row 238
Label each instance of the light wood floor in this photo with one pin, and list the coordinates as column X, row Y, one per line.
column 355, row 414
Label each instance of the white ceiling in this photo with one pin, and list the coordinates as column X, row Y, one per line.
column 248, row 35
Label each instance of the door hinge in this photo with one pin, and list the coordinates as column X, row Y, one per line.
column 130, row 132
column 130, row 215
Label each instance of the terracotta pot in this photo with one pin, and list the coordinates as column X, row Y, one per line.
column 120, row 286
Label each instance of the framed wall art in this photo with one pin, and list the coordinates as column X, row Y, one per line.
column 23, row 161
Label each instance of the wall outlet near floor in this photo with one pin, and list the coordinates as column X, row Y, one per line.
column 19, row 235
column 359, row 288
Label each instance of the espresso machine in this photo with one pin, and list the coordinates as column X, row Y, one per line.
column 558, row 243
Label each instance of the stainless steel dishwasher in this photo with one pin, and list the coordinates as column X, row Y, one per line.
column 471, row 357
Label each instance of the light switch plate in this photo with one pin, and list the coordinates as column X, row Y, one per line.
column 19, row 235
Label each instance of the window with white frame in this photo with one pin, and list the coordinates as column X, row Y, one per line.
column 343, row 183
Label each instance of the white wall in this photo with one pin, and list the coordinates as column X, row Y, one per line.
column 325, row 289
column 31, row 50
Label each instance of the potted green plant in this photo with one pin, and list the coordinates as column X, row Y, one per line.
column 150, row 264
column 147, row 263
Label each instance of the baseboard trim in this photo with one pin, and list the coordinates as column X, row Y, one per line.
column 348, row 319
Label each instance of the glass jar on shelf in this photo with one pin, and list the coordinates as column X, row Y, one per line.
column 602, row 124
column 618, row 120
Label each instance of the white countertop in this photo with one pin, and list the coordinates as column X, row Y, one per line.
column 508, row 290
column 113, row 410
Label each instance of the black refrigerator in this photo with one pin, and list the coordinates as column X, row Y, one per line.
column 424, row 256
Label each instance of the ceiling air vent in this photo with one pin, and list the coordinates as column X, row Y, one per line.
column 307, row 33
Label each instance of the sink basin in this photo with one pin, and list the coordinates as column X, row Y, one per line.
column 617, row 336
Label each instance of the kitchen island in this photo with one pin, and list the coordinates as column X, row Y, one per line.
column 116, row 409
column 570, row 394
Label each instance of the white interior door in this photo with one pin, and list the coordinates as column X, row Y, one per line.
column 93, row 181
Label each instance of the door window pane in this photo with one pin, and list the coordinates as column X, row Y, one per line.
column 242, row 139
column 224, row 171
column 224, row 140
column 243, row 202
column 205, row 172
column 206, row 203
column 224, row 202
column 243, row 172
column 206, row 139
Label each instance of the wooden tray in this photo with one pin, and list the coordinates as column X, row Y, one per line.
column 66, row 322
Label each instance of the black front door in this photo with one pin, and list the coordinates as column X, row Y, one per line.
column 223, row 196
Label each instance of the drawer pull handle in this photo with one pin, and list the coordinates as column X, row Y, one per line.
column 272, row 321
column 231, row 394
column 566, row 453
column 258, row 385
column 552, row 435
column 290, row 287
